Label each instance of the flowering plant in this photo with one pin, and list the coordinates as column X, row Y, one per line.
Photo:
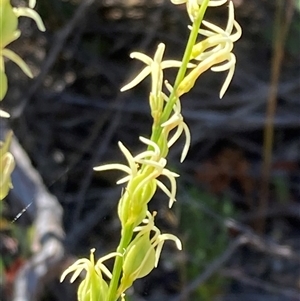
column 9, row 32
column 141, row 241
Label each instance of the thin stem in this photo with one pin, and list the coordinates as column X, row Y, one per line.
column 282, row 24
column 125, row 240
column 127, row 232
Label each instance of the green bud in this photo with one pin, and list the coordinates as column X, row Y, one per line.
column 133, row 204
column 8, row 24
column 92, row 288
column 139, row 261
column 3, row 84
column 7, row 164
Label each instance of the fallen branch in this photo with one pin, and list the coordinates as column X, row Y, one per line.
column 48, row 250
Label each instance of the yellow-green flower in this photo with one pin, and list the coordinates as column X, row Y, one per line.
column 176, row 121
column 154, row 167
column 216, row 36
column 214, row 53
column 154, row 67
column 9, row 32
column 143, row 253
column 194, row 5
column 143, row 171
column 93, row 287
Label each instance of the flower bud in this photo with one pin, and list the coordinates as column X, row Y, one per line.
column 139, row 261
column 7, row 164
column 8, row 24
column 3, row 84
column 92, row 288
column 133, row 205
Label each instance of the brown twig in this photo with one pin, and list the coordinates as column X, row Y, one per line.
column 282, row 25
column 48, row 239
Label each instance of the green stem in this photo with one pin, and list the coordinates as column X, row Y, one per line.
column 127, row 232
column 181, row 72
column 113, row 286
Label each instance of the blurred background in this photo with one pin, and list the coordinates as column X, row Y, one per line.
column 238, row 208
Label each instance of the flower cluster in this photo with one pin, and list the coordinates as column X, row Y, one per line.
column 93, row 286
column 142, row 254
column 144, row 169
column 9, row 32
column 142, row 182
column 214, row 52
column 193, row 6
column 141, row 241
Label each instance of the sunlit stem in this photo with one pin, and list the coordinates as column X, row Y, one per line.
column 126, row 236
column 127, row 232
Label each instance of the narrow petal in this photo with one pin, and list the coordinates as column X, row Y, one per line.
column 124, row 180
column 17, row 60
column 158, row 252
column 150, row 143
column 77, row 272
column 32, row 3
column 113, row 166
column 176, row 135
column 102, row 267
column 128, row 157
column 170, row 64
column 178, row 1
column 167, row 236
column 140, row 77
column 213, row 27
column 187, row 142
column 234, row 37
column 70, row 269
column 30, row 13
column 215, row 3
column 160, row 242
column 227, row 81
column 231, row 61
column 171, row 176
column 4, row 114
column 159, row 53
column 143, row 155
column 141, row 57
column 163, row 187
column 157, row 165
column 230, row 21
